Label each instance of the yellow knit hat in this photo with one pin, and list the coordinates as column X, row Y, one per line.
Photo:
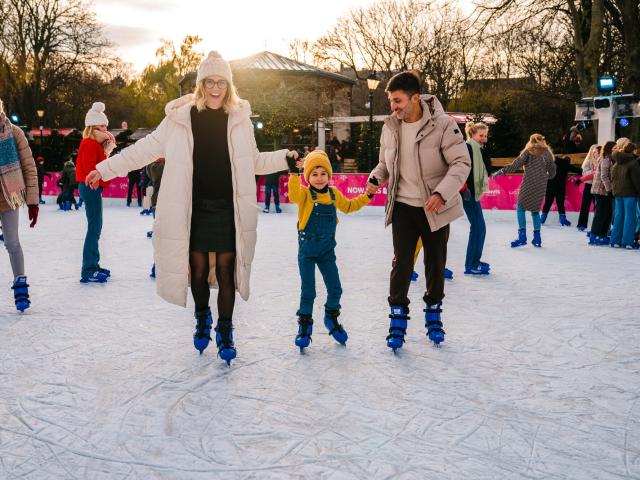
column 317, row 158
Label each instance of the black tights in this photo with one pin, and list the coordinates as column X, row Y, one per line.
column 225, row 273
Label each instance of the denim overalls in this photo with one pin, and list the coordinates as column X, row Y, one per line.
column 316, row 245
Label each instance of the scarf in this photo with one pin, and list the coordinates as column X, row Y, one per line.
column 11, row 179
column 480, row 175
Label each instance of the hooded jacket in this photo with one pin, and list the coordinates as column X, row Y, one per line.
column 173, row 140
column 625, row 175
column 442, row 157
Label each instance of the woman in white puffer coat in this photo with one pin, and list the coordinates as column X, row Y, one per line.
column 206, row 215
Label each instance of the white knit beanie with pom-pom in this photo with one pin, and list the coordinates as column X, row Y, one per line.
column 96, row 115
column 214, row 64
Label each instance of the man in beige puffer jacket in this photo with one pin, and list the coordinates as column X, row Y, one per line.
column 425, row 160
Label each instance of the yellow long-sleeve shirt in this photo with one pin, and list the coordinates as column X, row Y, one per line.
column 301, row 196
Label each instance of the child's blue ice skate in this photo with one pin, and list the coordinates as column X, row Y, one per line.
column 521, row 240
column 224, row 340
column 434, row 323
column 305, row 329
column 335, row 329
column 21, row 293
column 537, row 240
column 202, row 335
column 398, row 327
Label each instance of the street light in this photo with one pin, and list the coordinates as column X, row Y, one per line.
column 41, row 116
column 372, row 84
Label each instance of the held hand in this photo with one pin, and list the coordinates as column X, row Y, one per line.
column 93, row 179
column 371, row 188
column 435, row 203
column 33, row 214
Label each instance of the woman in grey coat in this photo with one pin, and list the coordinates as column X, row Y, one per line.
column 537, row 161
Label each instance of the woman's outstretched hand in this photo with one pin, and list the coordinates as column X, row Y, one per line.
column 93, row 179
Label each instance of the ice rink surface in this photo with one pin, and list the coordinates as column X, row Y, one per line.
column 538, row 377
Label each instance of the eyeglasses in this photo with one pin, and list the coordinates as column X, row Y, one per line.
column 210, row 83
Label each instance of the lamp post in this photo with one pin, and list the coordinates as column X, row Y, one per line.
column 41, row 116
column 372, row 84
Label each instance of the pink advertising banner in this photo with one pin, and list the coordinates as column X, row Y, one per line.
column 502, row 193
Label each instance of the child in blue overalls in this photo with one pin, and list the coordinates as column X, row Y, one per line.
column 317, row 220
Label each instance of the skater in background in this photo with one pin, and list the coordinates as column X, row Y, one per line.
column 41, row 175
column 18, row 186
column 134, row 184
column 601, row 190
column 477, row 183
column 557, row 190
column 154, row 171
column 424, row 159
column 317, row 220
column 539, row 166
column 625, row 181
column 589, row 166
column 205, row 230
column 68, row 184
column 272, row 185
column 95, row 147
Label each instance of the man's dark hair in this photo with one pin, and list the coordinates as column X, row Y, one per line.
column 409, row 82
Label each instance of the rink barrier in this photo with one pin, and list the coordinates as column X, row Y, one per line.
column 502, row 193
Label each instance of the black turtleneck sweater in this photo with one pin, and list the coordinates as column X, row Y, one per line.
column 211, row 162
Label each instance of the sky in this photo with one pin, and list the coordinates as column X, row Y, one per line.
column 236, row 28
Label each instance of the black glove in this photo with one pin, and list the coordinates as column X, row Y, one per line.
column 291, row 162
column 373, row 180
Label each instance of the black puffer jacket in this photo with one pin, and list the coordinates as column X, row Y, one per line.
column 625, row 175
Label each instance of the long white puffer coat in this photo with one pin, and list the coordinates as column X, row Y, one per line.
column 173, row 140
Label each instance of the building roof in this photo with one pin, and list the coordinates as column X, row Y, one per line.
column 269, row 61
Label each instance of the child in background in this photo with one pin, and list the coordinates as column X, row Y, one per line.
column 448, row 274
column 317, row 220
column 539, row 167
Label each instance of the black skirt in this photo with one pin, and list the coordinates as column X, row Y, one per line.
column 212, row 226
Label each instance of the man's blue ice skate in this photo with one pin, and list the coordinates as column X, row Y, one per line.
column 21, row 293
column 224, row 340
column 202, row 335
column 434, row 323
column 398, row 327
column 305, row 329
column 485, row 266
column 335, row 329
column 521, row 240
column 95, row 277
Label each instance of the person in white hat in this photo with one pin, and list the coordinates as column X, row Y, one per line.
column 204, row 232
column 97, row 143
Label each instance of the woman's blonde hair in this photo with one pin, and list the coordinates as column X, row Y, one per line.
column 537, row 141
column 590, row 158
column 88, row 132
column 231, row 98
column 621, row 143
column 471, row 128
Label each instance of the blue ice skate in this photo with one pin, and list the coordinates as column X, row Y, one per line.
column 543, row 218
column 581, row 228
column 202, row 335
column 398, row 327
column 521, row 240
column 537, row 240
column 305, row 329
column 95, row 277
column 153, row 271
column 485, row 266
column 105, row 271
column 434, row 323
column 21, row 293
column 150, row 234
column 469, row 270
column 224, row 340
column 563, row 221
column 335, row 329
column 448, row 274
column 414, row 276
